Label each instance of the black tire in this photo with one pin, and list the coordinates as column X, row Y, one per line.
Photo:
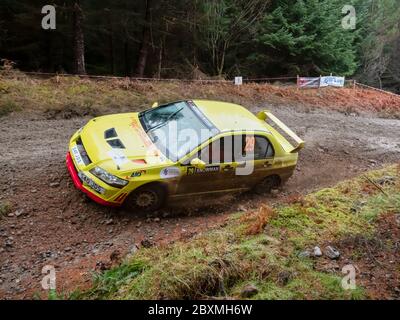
column 267, row 184
column 148, row 198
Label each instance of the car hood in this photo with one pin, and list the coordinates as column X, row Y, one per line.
column 118, row 142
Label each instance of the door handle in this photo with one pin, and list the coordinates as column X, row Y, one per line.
column 228, row 167
column 268, row 163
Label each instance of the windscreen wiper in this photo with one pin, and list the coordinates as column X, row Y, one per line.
column 166, row 121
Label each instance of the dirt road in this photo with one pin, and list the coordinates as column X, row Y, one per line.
column 53, row 224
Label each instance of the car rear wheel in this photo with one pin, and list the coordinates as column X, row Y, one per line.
column 269, row 183
column 146, row 199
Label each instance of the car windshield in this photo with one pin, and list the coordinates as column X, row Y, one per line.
column 177, row 128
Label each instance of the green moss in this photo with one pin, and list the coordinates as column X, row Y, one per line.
column 221, row 262
column 5, row 208
column 110, row 281
column 380, row 204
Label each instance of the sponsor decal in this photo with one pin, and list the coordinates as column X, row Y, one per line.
column 145, row 138
column 193, row 170
column 138, row 174
column 170, row 172
column 151, row 148
column 118, row 156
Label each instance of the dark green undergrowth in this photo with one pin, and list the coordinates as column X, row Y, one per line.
column 223, row 261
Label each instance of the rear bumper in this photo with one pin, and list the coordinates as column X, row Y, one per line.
column 78, row 184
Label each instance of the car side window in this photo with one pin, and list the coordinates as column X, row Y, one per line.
column 250, row 147
column 219, row 151
column 263, row 148
column 270, row 150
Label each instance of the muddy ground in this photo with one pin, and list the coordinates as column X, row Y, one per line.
column 53, row 224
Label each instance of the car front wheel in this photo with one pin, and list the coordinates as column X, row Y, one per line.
column 146, row 199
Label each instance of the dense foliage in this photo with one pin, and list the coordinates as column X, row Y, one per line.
column 202, row 38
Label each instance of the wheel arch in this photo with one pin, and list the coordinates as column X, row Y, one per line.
column 161, row 184
column 274, row 176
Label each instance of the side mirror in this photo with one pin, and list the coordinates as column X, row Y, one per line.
column 155, row 105
column 197, row 163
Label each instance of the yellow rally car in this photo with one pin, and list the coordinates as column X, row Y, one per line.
column 180, row 149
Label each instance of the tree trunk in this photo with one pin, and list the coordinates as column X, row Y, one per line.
column 160, row 59
column 111, row 42
column 78, row 39
column 144, row 48
column 126, row 58
column 222, row 62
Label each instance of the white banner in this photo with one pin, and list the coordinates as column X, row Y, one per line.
column 332, row 81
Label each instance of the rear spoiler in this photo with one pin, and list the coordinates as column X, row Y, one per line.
column 265, row 115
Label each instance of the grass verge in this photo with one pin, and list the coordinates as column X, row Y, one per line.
column 66, row 97
column 264, row 249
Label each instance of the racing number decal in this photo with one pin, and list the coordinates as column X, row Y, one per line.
column 250, row 143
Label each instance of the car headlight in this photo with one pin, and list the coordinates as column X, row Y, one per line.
column 108, row 178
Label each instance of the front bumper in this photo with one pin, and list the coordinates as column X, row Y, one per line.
column 79, row 185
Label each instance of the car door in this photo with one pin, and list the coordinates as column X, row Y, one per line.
column 219, row 173
column 254, row 155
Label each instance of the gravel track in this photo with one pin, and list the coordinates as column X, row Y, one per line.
column 54, row 224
